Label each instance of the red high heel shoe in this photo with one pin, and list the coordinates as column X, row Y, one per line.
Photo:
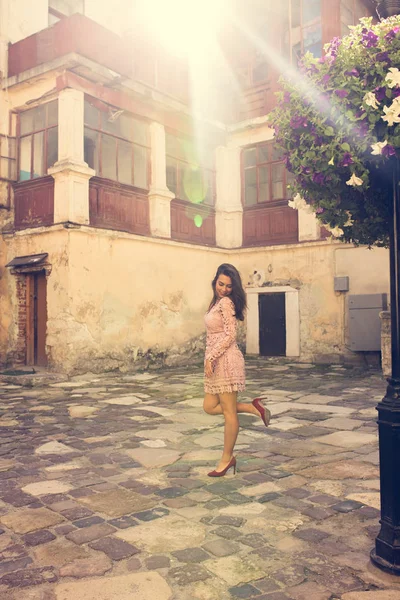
column 265, row 414
column 232, row 463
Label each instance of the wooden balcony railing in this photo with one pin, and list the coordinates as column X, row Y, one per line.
column 34, row 203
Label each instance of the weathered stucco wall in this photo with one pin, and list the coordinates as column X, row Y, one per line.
column 119, row 301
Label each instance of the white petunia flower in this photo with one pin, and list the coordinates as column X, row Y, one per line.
column 350, row 220
column 393, row 77
column 371, row 100
column 331, row 161
column 335, row 231
column 354, row 180
column 378, row 147
column 299, row 203
column 392, row 115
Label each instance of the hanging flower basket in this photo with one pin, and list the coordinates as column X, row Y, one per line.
column 338, row 124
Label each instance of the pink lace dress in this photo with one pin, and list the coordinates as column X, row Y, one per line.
column 222, row 349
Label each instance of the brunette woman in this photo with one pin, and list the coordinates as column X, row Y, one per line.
column 224, row 363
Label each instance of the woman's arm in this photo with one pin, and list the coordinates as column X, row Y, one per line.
column 227, row 309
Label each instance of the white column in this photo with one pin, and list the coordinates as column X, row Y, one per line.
column 71, row 174
column 159, row 195
column 309, row 227
column 229, row 209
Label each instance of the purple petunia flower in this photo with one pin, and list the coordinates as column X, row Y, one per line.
column 306, row 170
column 380, row 93
column 362, row 129
column 383, row 57
column 318, row 178
column 320, row 210
column 325, row 80
column 369, row 39
column 298, row 122
column 388, row 150
column 334, row 46
column 341, row 93
column 352, row 73
column 396, row 92
column 286, row 97
column 392, row 33
column 346, row 160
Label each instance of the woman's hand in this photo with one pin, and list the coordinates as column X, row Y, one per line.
column 208, row 368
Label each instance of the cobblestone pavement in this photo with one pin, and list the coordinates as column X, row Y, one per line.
column 104, row 492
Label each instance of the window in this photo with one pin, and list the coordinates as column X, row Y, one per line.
column 264, row 177
column 306, row 28
column 190, row 173
column 350, row 13
column 116, row 145
column 38, row 140
column 58, row 9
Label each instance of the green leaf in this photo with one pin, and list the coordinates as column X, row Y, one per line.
column 329, row 131
column 345, row 147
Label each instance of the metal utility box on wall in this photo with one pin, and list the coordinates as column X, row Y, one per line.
column 364, row 322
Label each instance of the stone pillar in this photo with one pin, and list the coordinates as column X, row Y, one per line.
column 309, row 227
column 159, row 195
column 71, row 174
column 386, row 343
column 229, row 209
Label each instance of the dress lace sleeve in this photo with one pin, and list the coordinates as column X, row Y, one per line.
column 226, row 307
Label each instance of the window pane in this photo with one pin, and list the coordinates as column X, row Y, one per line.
column 140, row 167
column 171, row 144
column 108, row 157
column 311, row 10
column 38, row 154
column 277, row 182
column 140, row 132
column 52, row 113
column 111, row 121
column 91, row 115
column 125, row 162
column 264, row 184
column 260, row 73
column 26, row 122
column 171, row 175
column 277, row 153
column 263, row 153
column 25, row 146
column 209, row 192
column 312, row 40
column 52, row 147
column 194, row 184
column 250, row 157
column 250, row 187
column 126, row 123
column 91, row 149
column 40, row 117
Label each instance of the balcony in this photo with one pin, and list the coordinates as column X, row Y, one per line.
column 130, row 56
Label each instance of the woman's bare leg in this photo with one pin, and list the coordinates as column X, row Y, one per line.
column 212, row 406
column 228, row 404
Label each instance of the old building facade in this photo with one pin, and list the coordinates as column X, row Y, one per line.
column 121, row 191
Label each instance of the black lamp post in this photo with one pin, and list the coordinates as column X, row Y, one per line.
column 386, row 553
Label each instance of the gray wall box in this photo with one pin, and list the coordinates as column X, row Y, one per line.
column 341, row 284
column 364, row 322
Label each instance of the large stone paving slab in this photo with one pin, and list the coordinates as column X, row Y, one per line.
column 154, row 458
column 117, row 502
column 347, row 439
column 165, row 535
column 26, row 520
column 137, row 586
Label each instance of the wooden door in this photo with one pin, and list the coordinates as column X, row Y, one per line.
column 36, row 319
column 272, row 324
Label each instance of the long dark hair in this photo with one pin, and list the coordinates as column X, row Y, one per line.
column 238, row 295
